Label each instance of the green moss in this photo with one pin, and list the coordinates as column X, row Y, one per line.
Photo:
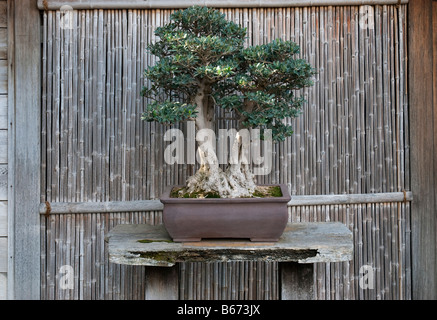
column 151, row 241
column 180, row 193
column 175, row 192
column 159, row 257
column 276, row 191
column 268, row 192
column 260, row 192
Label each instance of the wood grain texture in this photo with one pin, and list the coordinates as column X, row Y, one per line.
column 3, row 14
column 171, row 4
column 434, row 33
column 297, row 281
column 3, row 76
column 3, row 255
column 26, row 158
column 423, row 155
column 3, row 286
column 162, row 283
column 11, row 146
column 100, row 207
column 156, row 205
column 3, row 218
column 3, row 112
column 3, row 43
column 3, row 182
column 3, row 146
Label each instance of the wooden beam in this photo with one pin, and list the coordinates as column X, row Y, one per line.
column 11, row 146
column 297, row 281
column 3, row 255
column 156, row 205
column 100, row 207
column 338, row 199
column 173, row 4
column 162, row 283
column 25, row 126
column 423, row 154
column 3, row 219
column 434, row 28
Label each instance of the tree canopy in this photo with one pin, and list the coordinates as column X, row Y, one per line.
column 202, row 53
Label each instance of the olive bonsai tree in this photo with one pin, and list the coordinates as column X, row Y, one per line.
column 204, row 65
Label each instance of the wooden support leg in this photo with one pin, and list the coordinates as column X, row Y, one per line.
column 297, row 281
column 162, row 283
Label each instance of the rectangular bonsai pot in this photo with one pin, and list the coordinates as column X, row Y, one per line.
column 257, row 219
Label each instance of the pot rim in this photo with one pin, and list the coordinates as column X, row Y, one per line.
column 165, row 197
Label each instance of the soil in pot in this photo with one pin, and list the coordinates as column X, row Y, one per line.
column 260, row 192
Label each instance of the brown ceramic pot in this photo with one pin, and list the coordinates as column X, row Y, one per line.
column 257, row 219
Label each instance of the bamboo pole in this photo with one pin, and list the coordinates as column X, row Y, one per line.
column 170, row 4
column 151, row 205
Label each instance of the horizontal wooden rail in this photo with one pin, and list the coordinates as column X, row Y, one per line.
column 338, row 199
column 173, row 4
column 156, row 205
column 100, row 207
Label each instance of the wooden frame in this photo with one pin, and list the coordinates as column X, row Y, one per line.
column 24, row 147
column 156, row 205
column 11, row 121
column 423, row 150
column 170, row 4
column 24, row 156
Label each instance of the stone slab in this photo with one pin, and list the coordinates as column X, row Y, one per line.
column 141, row 244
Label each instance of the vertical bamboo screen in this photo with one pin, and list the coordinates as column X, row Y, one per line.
column 351, row 138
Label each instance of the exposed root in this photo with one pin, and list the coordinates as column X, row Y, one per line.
column 236, row 181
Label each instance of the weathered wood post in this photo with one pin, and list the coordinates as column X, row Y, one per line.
column 297, row 281
column 162, row 283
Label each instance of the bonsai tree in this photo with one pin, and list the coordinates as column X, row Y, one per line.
column 204, row 65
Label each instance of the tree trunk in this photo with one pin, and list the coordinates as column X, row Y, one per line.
column 237, row 180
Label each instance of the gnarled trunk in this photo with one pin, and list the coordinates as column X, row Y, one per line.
column 237, row 180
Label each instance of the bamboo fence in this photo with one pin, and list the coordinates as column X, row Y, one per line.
column 352, row 138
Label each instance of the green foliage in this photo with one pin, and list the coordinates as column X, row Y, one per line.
column 168, row 112
column 200, row 48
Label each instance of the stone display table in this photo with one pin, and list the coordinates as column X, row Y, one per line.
column 301, row 245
